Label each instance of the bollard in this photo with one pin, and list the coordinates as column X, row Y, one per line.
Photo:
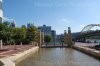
column 0, row 44
column 21, row 43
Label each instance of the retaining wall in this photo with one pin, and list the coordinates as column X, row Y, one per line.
column 92, row 52
column 12, row 60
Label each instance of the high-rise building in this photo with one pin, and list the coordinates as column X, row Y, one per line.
column 30, row 25
column 45, row 29
column 1, row 11
column 53, row 33
column 12, row 24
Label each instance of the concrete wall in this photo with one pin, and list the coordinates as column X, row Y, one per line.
column 92, row 52
column 12, row 60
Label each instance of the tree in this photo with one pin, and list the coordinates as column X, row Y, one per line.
column 31, row 34
column 4, row 32
column 47, row 39
column 18, row 34
column 6, row 23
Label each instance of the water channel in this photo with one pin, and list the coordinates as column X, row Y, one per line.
column 59, row 57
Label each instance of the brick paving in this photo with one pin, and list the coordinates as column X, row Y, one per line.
column 10, row 50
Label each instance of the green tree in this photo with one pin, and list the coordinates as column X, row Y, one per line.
column 31, row 34
column 47, row 39
column 4, row 32
column 6, row 23
column 18, row 34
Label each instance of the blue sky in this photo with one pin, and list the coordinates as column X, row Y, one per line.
column 59, row 14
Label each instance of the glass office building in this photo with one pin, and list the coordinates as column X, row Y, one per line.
column 1, row 11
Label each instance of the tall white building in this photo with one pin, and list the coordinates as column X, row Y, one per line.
column 1, row 11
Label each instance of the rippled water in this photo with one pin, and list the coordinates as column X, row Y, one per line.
column 59, row 57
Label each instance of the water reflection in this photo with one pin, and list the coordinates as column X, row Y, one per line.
column 59, row 57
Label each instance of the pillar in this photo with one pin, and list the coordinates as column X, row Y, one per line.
column 70, row 43
column 40, row 39
column 65, row 37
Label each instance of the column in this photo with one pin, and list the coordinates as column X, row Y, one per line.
column 69, row 37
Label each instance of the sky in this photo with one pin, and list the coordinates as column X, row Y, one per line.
column 59, row 14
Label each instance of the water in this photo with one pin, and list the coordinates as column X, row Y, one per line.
column 59, row 57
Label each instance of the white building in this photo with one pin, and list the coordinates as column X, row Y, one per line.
column 1, row 11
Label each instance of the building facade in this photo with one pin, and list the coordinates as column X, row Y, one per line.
column 1, row 11
column 45, row 29
column 53, row 33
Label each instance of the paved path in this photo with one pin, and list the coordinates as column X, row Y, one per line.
column 10, row 50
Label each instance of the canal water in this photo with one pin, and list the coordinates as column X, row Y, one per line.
column 59, row 57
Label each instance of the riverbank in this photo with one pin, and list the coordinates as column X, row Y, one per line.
column 83, row 48
column 16, row 55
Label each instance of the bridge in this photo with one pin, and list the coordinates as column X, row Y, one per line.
column 89, row 27
column 87, row 33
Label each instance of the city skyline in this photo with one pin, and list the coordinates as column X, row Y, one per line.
column 59, row 14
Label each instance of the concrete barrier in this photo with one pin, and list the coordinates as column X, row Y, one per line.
column 12, row 60
column 92, row 52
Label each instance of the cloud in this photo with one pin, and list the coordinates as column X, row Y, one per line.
column 7, row 19
column 82, row 26
column 65, row 20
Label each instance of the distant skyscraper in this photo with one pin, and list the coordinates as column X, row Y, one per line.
column 53, row 33
column 30, row 25
column 1, row 11
column 45, row 29
column 12, row 24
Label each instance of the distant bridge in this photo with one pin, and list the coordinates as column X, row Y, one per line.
column 86, row 33
column 88, row 27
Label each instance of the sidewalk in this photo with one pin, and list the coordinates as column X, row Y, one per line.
column 10, row 50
